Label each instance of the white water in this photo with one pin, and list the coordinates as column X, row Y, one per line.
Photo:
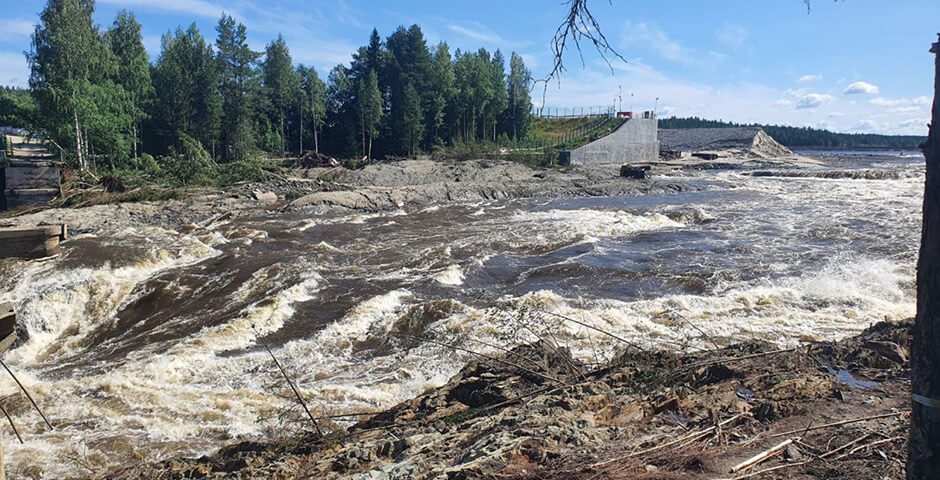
column 146, row 346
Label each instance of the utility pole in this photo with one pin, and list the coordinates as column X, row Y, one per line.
column 923, row 461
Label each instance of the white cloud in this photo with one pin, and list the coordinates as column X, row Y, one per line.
column 16, row 27
column 476, row 34
column 783, row 103
column 886, row 102
column 861, row 88
column 813, row 100
column 809, row 78
column 866, row 126
column 732, row 36
column 653, row 38
column 835, row 115
column 914, row 123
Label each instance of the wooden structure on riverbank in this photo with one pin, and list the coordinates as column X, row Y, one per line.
column 32, row 242
column 29, row 174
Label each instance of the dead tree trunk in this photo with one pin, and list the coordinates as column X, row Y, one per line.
column 924, row 451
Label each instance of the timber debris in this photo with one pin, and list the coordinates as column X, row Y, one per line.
column 533, row 412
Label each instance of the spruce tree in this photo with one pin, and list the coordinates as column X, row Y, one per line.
column 236, row 63
column 280, row 82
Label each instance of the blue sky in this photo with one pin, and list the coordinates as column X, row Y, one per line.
column 851, row 66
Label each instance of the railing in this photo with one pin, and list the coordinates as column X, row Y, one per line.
column 574, row 112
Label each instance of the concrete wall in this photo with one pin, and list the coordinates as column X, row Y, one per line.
column 635, row 141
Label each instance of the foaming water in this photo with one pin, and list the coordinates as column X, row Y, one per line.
column 147, row 343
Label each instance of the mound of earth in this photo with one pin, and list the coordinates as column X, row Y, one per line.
column 751, row 140
column 833, row 410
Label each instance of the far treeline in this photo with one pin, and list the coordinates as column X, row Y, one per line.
column 101, row 99
column 805, row 137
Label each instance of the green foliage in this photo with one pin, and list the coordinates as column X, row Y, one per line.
column 98, row 95
column 17, row 108
column 370, row 110
column 238, row 89
column 187, row 164
column 281, row 83
column 805, row 136
column 240, row 171
column 312, row 99
column 186, row 82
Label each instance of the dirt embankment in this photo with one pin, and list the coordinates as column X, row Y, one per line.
column 823, row 410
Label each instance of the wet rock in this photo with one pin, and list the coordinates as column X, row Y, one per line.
column 267, row 198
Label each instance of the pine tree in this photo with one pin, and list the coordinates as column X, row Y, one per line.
column 236, row 63
column 280, row 82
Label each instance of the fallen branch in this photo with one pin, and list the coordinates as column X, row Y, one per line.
column 772, row 469
column 838, row 424
column 690, row 437
column 30, row 397
column 843, row 447
column 706, row 363
column 868, row 445
column 760, row 457
column 300, row 398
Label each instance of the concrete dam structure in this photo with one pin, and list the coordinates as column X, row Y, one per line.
column 636, row 141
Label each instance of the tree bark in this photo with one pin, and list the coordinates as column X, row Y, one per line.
column 924, row 447
column 316, row 122
column 282, row 132
column 78, row 142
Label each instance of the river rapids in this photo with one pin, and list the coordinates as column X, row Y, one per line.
column 145, row 343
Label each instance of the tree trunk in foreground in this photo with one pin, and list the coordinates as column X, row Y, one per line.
column 923, row 461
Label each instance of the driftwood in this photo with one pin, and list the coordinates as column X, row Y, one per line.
column 838, row 424
column 760, row 457
column 686, row 438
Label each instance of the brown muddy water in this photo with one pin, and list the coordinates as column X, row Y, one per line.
column 143, row 343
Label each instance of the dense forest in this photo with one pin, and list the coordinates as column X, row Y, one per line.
column 96, row 94
column 805, row 137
